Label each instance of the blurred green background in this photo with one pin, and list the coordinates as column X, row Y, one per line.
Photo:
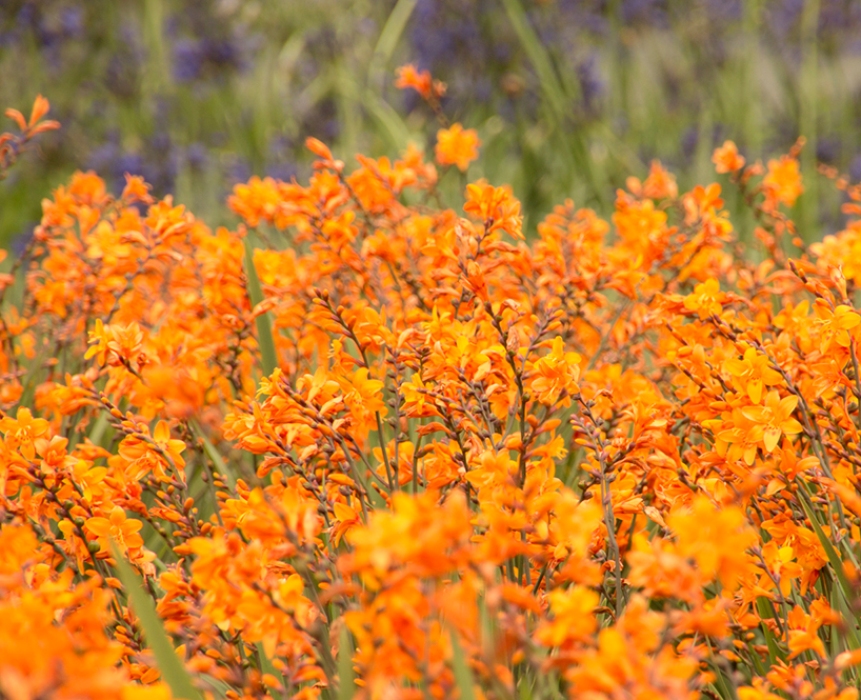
column 569, row 96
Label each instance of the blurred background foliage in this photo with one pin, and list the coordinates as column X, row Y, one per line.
column 569, row 96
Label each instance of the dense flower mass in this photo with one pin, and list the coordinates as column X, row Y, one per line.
column 366, row 445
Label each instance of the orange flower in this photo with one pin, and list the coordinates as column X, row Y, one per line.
column 457, row 146
column 171, row 448
column 418, row 402
column 22, row 432
column 752, row 373
column 660, row 184
column 774, row 418
column 715, row 538
column 420, row 81
column 117, row 344
column 116, row 528
column 154, row 691
column 573, row 617
column 783, row 180
column 727, row 158
column 834, row 326
column 407, row 470
column 32, row 127
column 496, row 207
column 347, row 518
column 706, row 299
column 555, row 374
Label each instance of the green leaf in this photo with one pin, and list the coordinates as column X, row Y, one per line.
column 462, row 673
column 848, row 597
column 573, row 145
column 268, row 356
column 763, row 606
column 100, row 427
column 215, row 456
column 346, row 682
column 393, row 125
column 389, row 37
column 173, row 672
column 830, row 552
column 266, row 665
column 538, row 56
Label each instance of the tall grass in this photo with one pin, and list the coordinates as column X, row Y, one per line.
column 669, row 89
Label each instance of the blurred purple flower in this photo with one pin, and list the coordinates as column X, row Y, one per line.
column 155, row 162
column 238, row 170
column 690, row 140
column 651, row 13
column 828, row 149
column 855, row 169
column 197, row 156
column 591, row 86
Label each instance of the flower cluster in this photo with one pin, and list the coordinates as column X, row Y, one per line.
column 366, row 445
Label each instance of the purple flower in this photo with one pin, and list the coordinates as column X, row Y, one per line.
column 196, row 156
column 855, row 169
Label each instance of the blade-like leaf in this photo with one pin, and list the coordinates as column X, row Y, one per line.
column 215, row 456
column 173, row 672
column 266, row 664
column 774, row 651
column 462, row 672
column 346, row 682
column 391, row 34
column 843, row 582
column 100, row 427
column 268, row 356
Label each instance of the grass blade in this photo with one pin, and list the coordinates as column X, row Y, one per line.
column 833, row 557
column 100, row 427
column 346, row 681
column 462, row 673
column 763, row 606
column 389, row 37
column 550, row 84
column 173, row 671
column 847, row 600
column 393, row 125
column 268, row 357
column 579, row 159
column 214, row 456
column 266, row 664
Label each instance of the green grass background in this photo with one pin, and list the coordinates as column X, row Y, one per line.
column 662, row 88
